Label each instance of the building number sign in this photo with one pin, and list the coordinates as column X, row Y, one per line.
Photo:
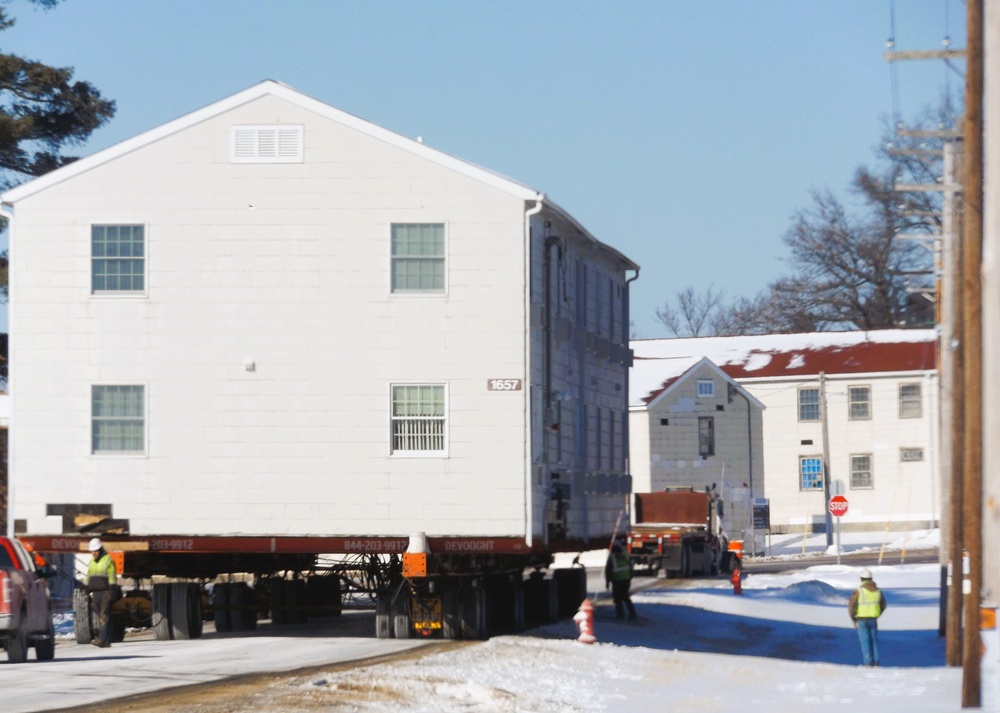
column 503, row 384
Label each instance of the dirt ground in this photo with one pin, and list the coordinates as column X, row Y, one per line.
column 267, row 693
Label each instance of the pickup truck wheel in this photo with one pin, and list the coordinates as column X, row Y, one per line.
column 45, row 649
column 82, row 615
column 17, row 648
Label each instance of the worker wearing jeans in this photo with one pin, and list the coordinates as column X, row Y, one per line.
column 618, row 576
column 866, row 606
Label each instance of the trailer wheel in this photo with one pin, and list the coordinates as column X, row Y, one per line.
column 572, row 589
column 185, row 610
column 685, row 561
column 474, row 614
column 277, row 594
column 519, row 608
column 82, row 609
column 243, row 610
column 295, row 601
column 402, row 615
column 161, row 612
column 451, row 615
column 383, row 616
column 551, row 601
column 45, row 649
column 220, row 603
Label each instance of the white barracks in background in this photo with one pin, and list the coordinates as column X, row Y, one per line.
column 271, row 316
column 882, row 399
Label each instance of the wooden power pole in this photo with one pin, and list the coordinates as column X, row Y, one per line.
column 972, row 253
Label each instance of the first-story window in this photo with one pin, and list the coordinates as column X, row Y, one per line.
column 418, row 418
column 861, row 471
column 811, row 472
column 118, row 419
column 706, row 436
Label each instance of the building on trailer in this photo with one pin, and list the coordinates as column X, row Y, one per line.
column 880, row 391
column 692, row 425
column 271, row 318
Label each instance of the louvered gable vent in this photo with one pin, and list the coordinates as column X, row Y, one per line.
column 276, row 143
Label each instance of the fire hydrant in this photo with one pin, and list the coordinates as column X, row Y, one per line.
column 584, row 618
column 737, row 583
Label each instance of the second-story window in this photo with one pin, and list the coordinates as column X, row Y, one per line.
column 809, row 404
column 860, row 399
column 706, row 388
column 418, row 259
column 118, row 258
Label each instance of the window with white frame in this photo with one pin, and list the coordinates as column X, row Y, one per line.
column 267, row 143
column 117, row 258
column 859, row 402
column 418, row 418
column 861, row 471
column 810, row 473
column 706, row 388
column 418, row 259
column 809, row 404
column 910, row 403
column 118, row 419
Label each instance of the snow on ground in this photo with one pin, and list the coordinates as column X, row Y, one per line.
column 786, row 644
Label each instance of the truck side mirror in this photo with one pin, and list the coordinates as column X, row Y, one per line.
column 47, row 571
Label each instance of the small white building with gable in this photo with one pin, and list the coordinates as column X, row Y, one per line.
column 880, row 391
column 692, row 425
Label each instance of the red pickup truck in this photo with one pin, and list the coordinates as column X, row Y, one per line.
column 25, row 610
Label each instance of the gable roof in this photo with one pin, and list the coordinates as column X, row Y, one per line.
column 270, row 87
column 653, row 379
column 803, row 355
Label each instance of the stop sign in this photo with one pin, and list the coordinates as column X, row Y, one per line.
column 838, row 505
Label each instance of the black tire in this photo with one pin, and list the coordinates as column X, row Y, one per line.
column 17, row 647
column 474, row 613
column 221, row 603
column 162, row 612
column 383, row 616
column 277, row 593
column 519, row 607
column 552, row 600
column 402, row 615
column 572, row 586
column 451, row 624
column 295, row 601
column 685, row 562
column 45, row 649
column 185, row 611
column 82, row 615
column 244, row 608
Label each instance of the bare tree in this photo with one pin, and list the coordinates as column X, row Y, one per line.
column 693, row 314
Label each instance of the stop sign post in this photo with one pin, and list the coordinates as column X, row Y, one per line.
column 838, row 508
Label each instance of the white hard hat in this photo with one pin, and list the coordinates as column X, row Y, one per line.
column 95, row 544
column 866, row 573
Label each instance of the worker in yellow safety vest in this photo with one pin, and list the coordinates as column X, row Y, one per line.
column 101, row 578
column 618, row 577
column 866, row 606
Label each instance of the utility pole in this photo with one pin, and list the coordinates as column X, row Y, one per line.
column 972, row 253
column 826, row 458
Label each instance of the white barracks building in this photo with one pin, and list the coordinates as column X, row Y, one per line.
column 270, row 316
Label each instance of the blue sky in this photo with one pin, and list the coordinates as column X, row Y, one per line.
column 683, row 133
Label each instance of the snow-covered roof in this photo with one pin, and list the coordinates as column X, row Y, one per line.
column 653, row 379
column 791, row 355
